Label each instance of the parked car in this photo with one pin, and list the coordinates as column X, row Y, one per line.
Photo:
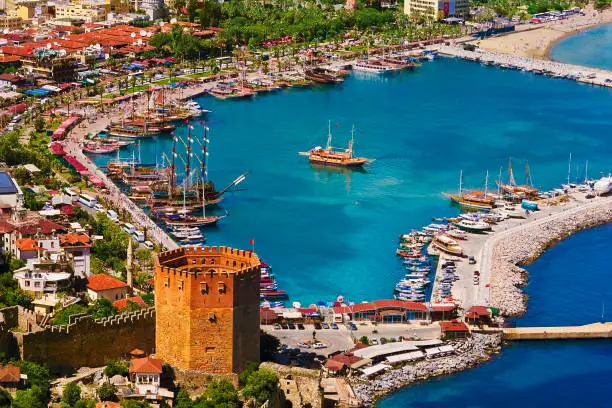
column 318, row 326
column 319, row 345
column 291, row 326
column 374, row 342
column 353, row 326
column 325, row 325
column 304, row 345
column 277, row 326
column 334, row 326
column 284, row 326
column 300, row 326
column 471, row 260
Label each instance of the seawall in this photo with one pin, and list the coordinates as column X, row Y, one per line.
column 524, row 244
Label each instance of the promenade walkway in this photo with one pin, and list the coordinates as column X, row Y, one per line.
column 580, row 73
column 113, row 194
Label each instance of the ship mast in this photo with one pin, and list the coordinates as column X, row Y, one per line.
column 527, row 172
column 350, row 146
column 188, row 162
column 510, row 174
column 204, row 171
column 499, row 180
column 586, row 172
column 486, row 184
column 329, row 136
column 172, row 167
column 569, row 169
column 460, row 181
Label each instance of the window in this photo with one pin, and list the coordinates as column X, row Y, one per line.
column 221, row 287
column 37, row 284
column 180, row 284
column 27, row 283
column 167, row 281
column 203, row 287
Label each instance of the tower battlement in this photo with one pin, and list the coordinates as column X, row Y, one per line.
column 207, row 303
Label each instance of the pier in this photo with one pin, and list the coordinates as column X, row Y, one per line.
column 587, row 331
column 578, row 73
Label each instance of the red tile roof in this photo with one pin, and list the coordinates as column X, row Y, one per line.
column 75, row 240
column 333, row 365
column 453, row 326
column 381, row 304
column 479, row 311
column 103, row 282
column 347, row 359
column 10, row 374
column 122, row 303
column 146, row 365
column 27, row 244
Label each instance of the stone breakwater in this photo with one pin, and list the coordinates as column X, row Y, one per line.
column 526, row 245
column 469, row 353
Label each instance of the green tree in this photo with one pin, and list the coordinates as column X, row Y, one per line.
column 250, row 367
column 5, row 398
column 107, row 392
column 135, row 404
column 115, row 367
column 364, row 340
column 183, row 400
column 38, row 374
column 63, row 316
column 218, row 394
column 39, row 123
column 103, row 308
column 34, row 397
column 85, row 404
column 261, row 385
column 71, row 394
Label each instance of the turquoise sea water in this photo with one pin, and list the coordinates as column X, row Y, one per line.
column 591, row 48
column 328, row 232
column 568, row 285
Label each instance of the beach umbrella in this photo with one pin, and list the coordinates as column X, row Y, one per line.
column 321, row 303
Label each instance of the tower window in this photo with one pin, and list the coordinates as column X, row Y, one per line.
column 180, row 284
column 221, row 287
column 167, row 281
column 203, row 287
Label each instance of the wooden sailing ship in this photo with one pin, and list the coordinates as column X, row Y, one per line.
column 520, row 191
column 478, row 200
column 330, row 156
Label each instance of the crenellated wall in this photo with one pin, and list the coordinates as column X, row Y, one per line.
column 85, row 342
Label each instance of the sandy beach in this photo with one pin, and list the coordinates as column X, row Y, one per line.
column 535, row 41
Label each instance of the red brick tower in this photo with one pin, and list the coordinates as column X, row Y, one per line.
column 207, row 308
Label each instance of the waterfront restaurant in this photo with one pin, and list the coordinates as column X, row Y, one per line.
column 385, row 311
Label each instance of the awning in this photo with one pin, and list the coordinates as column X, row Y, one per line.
column 368, row 371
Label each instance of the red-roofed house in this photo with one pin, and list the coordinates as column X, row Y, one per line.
column 454, row 329
column 79, row 246
column 478, row 314
column 105, row 286
column 10, row 376
column 122, row 303
column 145, row 373
column 386, row 311
column 27, row 248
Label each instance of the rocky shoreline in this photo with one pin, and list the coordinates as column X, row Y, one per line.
column 525, row 246
column 469, row 353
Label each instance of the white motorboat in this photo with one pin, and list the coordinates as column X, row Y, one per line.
column 473, row 226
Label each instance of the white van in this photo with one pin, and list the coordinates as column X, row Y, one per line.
column 149, row 245
column 139, row 236
column 129, row 228
column 112, row 215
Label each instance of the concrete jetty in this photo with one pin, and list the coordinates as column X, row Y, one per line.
column 578, row 73
column 587, row 331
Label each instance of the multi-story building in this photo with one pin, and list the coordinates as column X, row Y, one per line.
column 207, row 308
column 11, row 196
column 437, row 9
column 80, row 12
column 51, row 64
column 11, row 23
